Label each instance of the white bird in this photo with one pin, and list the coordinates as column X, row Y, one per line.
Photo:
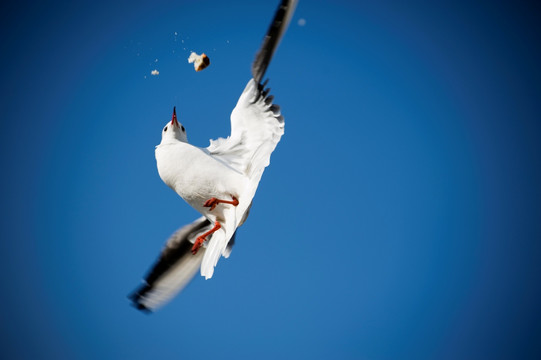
column 219, row 181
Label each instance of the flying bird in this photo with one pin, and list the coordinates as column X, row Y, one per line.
column 219, row 181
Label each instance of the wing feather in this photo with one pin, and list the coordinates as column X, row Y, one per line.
column 173, row 270
column 256, row 128
column 271, row 40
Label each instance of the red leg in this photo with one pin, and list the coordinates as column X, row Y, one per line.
column 201, row 239
column 213, row 202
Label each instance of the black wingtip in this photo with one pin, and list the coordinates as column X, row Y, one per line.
column 142, row 308
column 272, row 38
column 136, row 297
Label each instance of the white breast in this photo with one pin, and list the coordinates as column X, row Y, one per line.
column 197, row 176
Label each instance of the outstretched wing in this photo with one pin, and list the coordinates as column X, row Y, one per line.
column 256, row 123
column 272, row 38
column 256, row 129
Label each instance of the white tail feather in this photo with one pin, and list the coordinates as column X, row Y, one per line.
column 214, row 250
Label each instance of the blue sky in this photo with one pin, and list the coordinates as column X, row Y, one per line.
column 399, row 218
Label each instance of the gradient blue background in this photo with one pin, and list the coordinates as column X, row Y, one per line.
column 399, row 219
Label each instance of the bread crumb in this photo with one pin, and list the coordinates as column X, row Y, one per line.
column 199, row 61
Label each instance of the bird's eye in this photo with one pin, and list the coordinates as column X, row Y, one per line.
column 182, row 128
column 165, row 129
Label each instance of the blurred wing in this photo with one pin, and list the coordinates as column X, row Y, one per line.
column 173, row 270
column 256, row 129
column 272, row 38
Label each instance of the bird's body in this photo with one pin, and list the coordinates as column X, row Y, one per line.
column 218, row 181
column 197, row 176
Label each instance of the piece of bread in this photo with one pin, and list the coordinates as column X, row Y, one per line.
column 199, row 61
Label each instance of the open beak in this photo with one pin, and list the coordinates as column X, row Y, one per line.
column 174, row 120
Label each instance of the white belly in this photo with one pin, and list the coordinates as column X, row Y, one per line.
column 197, row 177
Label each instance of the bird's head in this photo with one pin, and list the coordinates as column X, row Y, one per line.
column 173, row 130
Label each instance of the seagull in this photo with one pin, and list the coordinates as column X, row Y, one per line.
column 219, row 181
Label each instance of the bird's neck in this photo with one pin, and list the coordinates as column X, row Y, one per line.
column 170, row 141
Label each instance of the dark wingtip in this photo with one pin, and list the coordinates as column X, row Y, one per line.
column 141, row 308
column 272, row 38
column 261, row 91
column 136, row 296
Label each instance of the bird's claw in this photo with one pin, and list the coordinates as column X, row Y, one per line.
column 201, row 239
column 197, row 245
column 211, row 203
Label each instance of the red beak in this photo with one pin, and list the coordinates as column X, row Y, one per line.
column 174, row 120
